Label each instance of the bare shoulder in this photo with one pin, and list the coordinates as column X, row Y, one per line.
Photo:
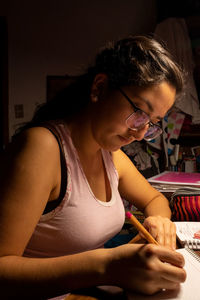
column 32, row 156
column 34, row 149
column 39, row 136
column 32, row 142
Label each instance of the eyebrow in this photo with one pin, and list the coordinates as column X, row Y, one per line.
column 149, row 105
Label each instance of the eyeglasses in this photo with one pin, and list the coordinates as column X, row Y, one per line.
column 139, row 119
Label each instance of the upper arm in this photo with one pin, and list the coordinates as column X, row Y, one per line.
column 132, row 184
column 27, row 177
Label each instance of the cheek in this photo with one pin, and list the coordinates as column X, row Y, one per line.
column 106, row 130
column 109, row 117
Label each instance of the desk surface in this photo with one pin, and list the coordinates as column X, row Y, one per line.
column 80, row 297
column 98, row 293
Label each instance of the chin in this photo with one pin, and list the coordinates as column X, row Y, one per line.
column 112, row 147
column 116, row 143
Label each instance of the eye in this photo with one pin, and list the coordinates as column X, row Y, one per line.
column 157, row 122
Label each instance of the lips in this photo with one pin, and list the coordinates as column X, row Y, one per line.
column 126, row 140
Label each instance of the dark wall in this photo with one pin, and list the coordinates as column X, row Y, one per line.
column 177, row 8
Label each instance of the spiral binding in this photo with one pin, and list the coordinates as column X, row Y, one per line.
column 193, row 244
column 193, row 254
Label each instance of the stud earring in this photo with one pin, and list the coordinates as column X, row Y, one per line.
column 95, row 98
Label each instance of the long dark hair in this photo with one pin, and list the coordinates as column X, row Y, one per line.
column 138, row 61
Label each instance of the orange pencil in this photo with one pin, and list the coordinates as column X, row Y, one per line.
column 135, row 239
column 140, row 228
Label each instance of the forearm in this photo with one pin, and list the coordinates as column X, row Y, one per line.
column 158, row 206
column 33, row 278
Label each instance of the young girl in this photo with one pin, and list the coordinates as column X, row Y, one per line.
column 64, row 175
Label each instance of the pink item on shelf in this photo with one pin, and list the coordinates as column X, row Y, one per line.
column 170, row 177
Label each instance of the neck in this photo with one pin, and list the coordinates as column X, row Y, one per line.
column 82, row 137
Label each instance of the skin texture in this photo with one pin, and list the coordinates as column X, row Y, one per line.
column 31, row 176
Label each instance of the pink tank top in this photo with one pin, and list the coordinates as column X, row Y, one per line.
column 80, row 222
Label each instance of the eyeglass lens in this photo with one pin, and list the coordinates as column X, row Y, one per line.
column 152, row 132
column 138, row 120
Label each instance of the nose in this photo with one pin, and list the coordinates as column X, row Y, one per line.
column 140, row 133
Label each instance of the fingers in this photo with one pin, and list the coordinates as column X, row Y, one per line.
column 172, row 273
column 162, row 229
column 172, row 257
column 166, row 234
column 164, row 255
column 159, row 284
column 165, row 267
column 169, row 234
column 150, row 282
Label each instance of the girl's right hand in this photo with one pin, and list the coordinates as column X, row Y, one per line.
column 146, row 268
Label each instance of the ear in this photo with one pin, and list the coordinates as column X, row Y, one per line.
column 99, row 86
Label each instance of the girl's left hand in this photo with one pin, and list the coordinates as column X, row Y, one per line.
column 162, row 229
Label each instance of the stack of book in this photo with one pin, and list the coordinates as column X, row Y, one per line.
column 170, row 181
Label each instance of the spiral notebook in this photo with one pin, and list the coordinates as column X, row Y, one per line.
column 187, row 233
column 188, row 290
